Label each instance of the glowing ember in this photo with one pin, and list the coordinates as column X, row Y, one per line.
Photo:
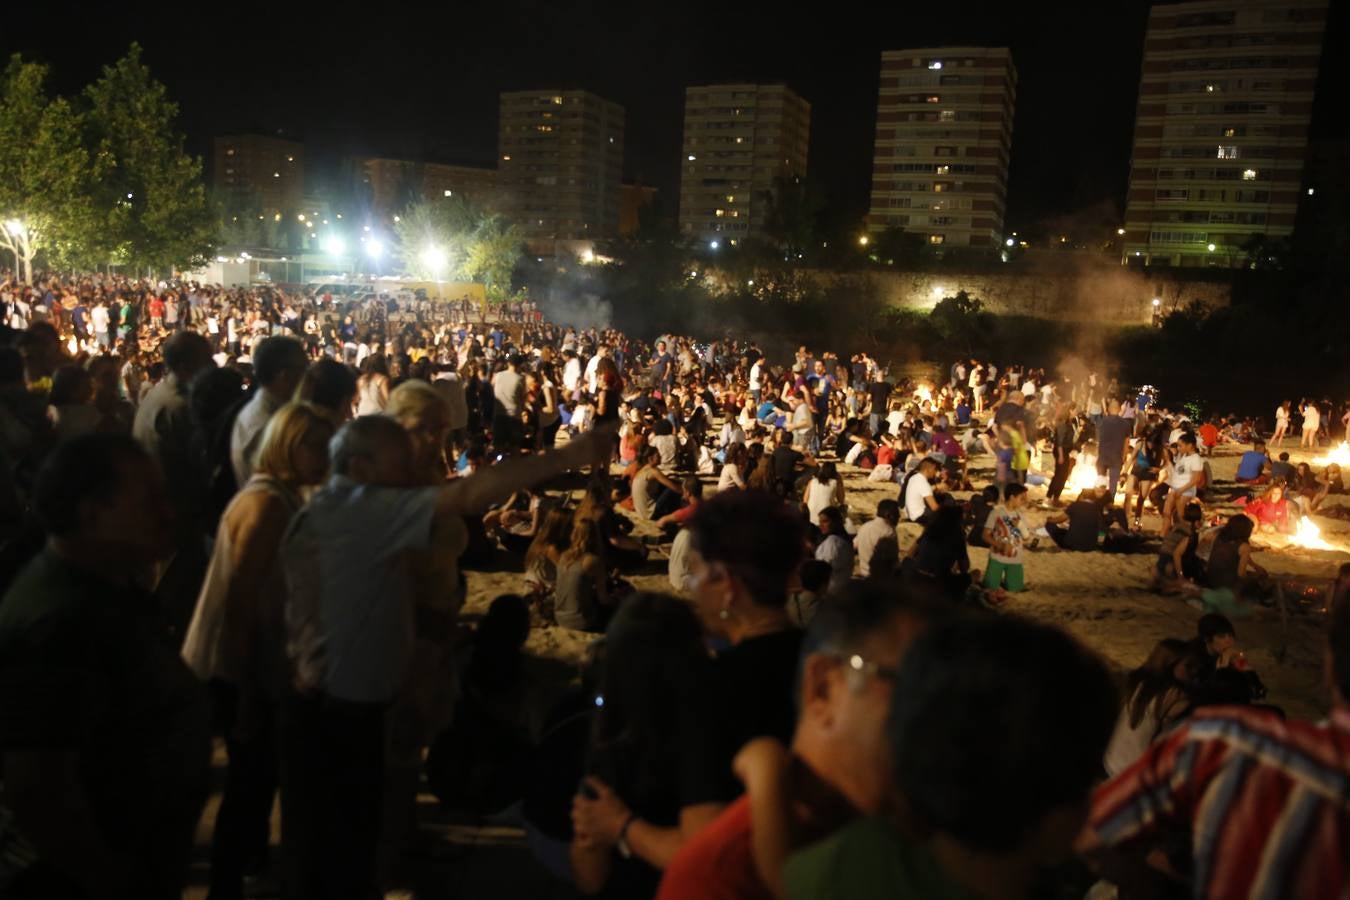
column 1310, row 536
column 1340, row 456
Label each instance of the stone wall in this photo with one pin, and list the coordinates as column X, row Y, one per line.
column 1085, row 289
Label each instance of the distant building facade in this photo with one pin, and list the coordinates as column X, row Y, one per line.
column 633, row 199
column 740, row 142
column 943, row 144
column 253, row 172
column 560, row 164
column 1221, row 130
column 394, row 183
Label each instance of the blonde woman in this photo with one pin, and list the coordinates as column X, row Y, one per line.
column 235, row 641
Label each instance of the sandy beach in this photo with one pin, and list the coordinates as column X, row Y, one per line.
column 1101, row 598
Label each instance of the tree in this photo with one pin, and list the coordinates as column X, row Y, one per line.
column 434, row 236
column 149, row 199
column 44, row 171
column 792, row 221
column 494, row 251
column 959, row 319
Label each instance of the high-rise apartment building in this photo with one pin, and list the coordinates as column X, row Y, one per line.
column 396, row 182
column 1221, row 131
column 740, row 142
column 560, row 164
column 944, row 136
column 257, row 172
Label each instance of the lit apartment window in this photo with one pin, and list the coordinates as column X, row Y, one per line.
column 544, row 128
column 944, row 170
column 276, row 174
column 936, row 238
column 935, row 64
column 1228, row 152
column 738, row 140
column 557, row 101
column 507, row 158
column 229, row 151
column 947, row 115
column 719, row 213
column 731, row 198
column 1249, row 175
column 939, row 187
column 1230, row 132
column 934, row 98
column 290, row 159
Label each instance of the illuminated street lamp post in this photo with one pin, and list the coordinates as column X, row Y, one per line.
column 17, row 238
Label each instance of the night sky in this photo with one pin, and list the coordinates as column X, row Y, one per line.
column 403, row 81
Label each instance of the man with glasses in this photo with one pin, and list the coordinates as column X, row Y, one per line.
column 835, row 769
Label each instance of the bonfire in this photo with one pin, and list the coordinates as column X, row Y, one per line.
column 1310, row 536
column 1340, row 456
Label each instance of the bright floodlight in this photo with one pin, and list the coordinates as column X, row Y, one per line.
column 1120, row 231
column 334, row 245
column 713, row 244
column 1211, row 247
column 1009, row 242
column 374, row 249
column 863, row 241
column 1157, row 302
column 14, row 227
column 434, row 258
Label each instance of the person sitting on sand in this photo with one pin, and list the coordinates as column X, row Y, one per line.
column 1080, row 525
column 1254, row 466
column 1272, row 512
column 1282, row 468
column 1177, row 564
column 1232, row 575
column 1156, row 699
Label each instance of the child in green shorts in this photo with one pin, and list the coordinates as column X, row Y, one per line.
column 1003, row 532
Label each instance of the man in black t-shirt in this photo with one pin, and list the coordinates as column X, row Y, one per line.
column 879, row 392
column 1079, row 526
column 788, row 463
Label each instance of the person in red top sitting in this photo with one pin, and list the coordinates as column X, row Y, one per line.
column 1272, row 512
column 1209, row 436
column 835, row 770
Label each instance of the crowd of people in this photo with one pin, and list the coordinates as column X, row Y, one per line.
column 247, row 514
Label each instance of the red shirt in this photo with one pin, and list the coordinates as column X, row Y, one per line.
column 1265, row 803
column 718, row 862
column 156, row 308
column 1209, row 434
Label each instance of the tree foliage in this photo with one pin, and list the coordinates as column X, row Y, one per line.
column 960, row 320
column 475, row 246
column 149, row 200
column 45, row 171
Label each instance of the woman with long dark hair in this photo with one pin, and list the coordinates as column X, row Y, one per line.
column 626, row 817
column 1158, row 693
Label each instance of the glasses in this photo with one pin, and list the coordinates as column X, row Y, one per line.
column 860, row 669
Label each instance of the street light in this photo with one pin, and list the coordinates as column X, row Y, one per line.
column 1211, row 247
column 1009, row 242
column 713, row 245
column 863, row 241
column 434, row 258
column 374, row 249
column 1157, row 302
column 334, row 245
column 1120, row 231
column 15, row 227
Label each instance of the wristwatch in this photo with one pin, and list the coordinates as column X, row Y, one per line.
column 622, row 845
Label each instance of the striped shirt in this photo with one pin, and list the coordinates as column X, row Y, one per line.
column 1266, row 803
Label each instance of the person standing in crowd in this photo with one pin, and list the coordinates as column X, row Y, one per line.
column 1259, row 802
column 105, row 732
column 1312, row 424
column 1186, row 473
column 994, row 810
column 278, row 365
column 508, row 391
column 1004, row 532
column 236, row 639
column 1113, row 432
column 350, row 619
column 835, row 770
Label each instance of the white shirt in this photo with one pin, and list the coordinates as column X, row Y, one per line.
column 246, row 435
column 591, row 368
column 99, row 316
column 754, row 376
column 838, row 552
column 876, row 542
column 916, row 492
column 571, row 375
column 681, row 573
column 1184, row 468
column 730, row 478
column 1029, row 388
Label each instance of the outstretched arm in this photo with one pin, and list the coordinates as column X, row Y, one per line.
column 473, row 495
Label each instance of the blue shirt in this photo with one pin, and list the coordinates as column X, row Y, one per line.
column 350, row 604
column 963, row 414
column 1250, row 466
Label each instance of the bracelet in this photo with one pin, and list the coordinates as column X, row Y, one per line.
column 622, row 844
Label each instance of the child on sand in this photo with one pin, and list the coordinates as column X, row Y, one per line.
column 1003, row 531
